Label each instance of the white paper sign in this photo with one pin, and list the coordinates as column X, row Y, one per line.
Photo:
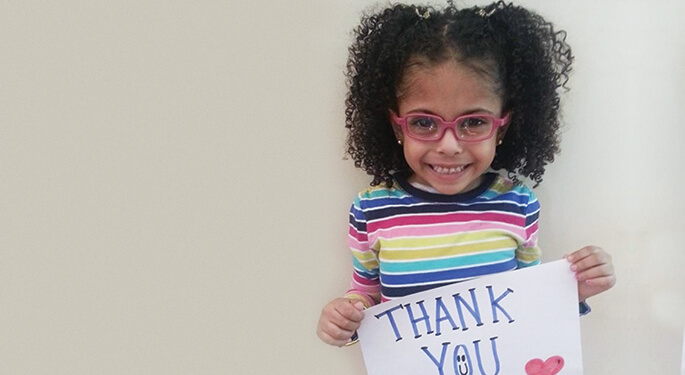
column 523, row 322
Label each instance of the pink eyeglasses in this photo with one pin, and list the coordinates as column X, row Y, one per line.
column 468, row 128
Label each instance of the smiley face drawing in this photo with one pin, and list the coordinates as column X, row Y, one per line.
column 462, row 361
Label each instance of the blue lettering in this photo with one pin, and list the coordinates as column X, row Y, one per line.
column 473, row 308
column 389, row 312
column 494, row 354
column 462, row 363
column 425, row 318
column 440, row 364
column 495, row 304
column 442, row 314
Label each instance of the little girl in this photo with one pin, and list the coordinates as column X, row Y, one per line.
column 439, row 98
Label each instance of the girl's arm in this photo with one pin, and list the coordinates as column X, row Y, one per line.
column 529, row 254
column 365, row 284
column 341, row 317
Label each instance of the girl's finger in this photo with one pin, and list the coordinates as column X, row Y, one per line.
column 595, row 272
column 332, row 341
column 348, row 311
column 604, row 281
column 341, row 321
column 336, row 333
column 590, row 261
column 583, row 253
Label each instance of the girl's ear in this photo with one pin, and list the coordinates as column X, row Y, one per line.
column 398, row 133
column 502, row 131
column 396, row 129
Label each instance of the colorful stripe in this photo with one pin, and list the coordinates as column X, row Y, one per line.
column 404, row 240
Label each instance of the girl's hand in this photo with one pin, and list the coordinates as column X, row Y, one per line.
column 594, row 271
column 339, row 320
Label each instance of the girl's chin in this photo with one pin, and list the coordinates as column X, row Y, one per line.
column 452, row 183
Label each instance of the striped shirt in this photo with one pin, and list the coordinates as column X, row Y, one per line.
column 405, row 240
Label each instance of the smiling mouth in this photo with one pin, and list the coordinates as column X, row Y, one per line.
column 446, row 171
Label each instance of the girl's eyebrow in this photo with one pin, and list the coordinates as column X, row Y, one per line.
column 478, row 110
column 469, row 112
column 424, row 111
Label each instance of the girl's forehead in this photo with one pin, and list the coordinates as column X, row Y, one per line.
column 449, row 77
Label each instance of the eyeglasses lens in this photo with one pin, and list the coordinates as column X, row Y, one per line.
column 468, row 128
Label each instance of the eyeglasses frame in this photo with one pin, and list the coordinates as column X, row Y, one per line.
column 444, row 125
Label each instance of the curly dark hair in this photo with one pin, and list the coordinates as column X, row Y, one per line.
column 526, row 59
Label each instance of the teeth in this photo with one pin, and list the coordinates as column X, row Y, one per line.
column 443, row 170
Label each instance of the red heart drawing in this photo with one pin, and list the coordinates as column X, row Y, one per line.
column 550, row 367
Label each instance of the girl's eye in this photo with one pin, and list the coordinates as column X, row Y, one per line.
column 476, row 125
column 422, row 124
column 474, row 122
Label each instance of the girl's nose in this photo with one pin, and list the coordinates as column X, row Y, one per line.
column 449, row 144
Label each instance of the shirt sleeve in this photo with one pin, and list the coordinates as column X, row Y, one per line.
column 365, row 284
column 583, row 308
column 528, row 253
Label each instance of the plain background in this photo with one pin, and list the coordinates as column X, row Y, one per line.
column 173, row 194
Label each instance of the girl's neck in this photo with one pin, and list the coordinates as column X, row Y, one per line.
column 413, row 182
column 421, row 186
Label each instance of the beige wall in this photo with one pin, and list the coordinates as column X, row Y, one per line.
column 173, row 197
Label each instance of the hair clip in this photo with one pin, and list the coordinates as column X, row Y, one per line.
column 481, row 12
column 426, row 15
